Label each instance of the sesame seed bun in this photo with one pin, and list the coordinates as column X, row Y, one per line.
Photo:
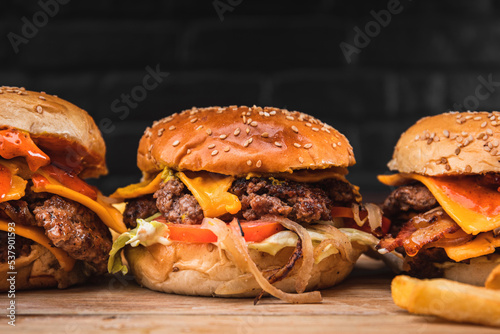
column 240, row 140
column 56, row 126
column 450, row 144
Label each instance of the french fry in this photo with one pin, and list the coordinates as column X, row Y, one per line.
column 447, row 299
column 493, row 280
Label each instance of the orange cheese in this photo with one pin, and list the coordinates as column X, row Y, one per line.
column 211, row 192
column 108, row 214
column 471, row 221
column 139, row 189
column 37, row 235
column 15, row 184
column 483, row 244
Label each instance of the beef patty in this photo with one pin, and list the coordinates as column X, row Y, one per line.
column 301, row 202
column 69, row 225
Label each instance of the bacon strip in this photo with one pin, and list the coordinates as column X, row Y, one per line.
column 420, row 231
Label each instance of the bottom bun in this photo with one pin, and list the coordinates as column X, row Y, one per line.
column 475, row 272
column 40, row 269
column 206, row 270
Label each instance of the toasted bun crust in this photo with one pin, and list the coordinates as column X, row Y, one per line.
column 450, row 144
column 40, row 269
column 240, row 140
column 475, row 272
column 204, row 270
column 56, row 126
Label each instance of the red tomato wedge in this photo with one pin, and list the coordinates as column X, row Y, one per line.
column 338, row 211
column 253, row 231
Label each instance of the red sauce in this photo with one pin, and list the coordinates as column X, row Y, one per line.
column 471, row 195
column 15, row 143
column 5, row 181
column 67, row 179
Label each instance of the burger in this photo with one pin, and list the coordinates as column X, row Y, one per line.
column 53, row 225
column 241, row 201
column 445, row 207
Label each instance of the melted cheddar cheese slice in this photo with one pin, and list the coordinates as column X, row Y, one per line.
column 37, row 235
column 483, row 244
column 108, row 214
column 211, row 192
column 470, row 221
column 139, row 189
column 17, row 184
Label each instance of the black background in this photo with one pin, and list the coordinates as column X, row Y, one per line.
column 431, row 57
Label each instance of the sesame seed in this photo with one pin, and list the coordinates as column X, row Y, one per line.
column 175, row 143
column 459, row 139
column 39, row 109
column 432, row 135
column 223, row 136
column 214, row 152
column 160, row 132
column 315, row 129
column 479, row 136
column 446, row 133
column 249, row 162
column 495, row 143
column 247, row 130
column 42, row 98
column 266, row 114
column 290, row 118
column 294, row 128
column 487, row 148
column 494, row 151
column 485, row 137
column 489, row 131
column 307, row 146
column 468, row 168
column 188, row 151
column 277, row 143
column 417, row 137
column 490, row 145
column 477, row 118
column 494, row 123
column 466, row 142
column 325, row 129
column 464, row 133
column 308, row 124
column 334, row 145
column 468, row 117
column 339, row 144
column 429, row 141
column 258, row 164
column 244, row 119
column 447, row 167
column 199, row 127
column 249, row 121
column 211, row 146
column 226, row 149
column 301, row 160
column 444, row 160
column 297, row 145
column 193, row 120
column 436, row 138
column 265, row 135
column 273, row 112
column 248, row 142
column 237, row 131
column 171, row 128
column 483, row 125
column 209, row 132
column 254, row 124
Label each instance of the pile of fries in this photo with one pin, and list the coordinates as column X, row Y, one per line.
column 450, row 300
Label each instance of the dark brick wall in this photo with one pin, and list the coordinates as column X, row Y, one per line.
column 428, row 59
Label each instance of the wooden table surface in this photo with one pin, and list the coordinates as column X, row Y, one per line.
column 118, row 305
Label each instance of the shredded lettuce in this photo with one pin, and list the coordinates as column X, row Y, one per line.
column 146, row 233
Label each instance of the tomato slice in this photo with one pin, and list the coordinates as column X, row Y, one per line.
column 255, row 231
column 343, row 212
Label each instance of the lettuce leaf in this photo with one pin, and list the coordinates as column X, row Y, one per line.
column 146, row 234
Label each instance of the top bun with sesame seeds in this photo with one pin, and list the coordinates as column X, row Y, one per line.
column 242, row 140
column 57, row 126
column 450, row 144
